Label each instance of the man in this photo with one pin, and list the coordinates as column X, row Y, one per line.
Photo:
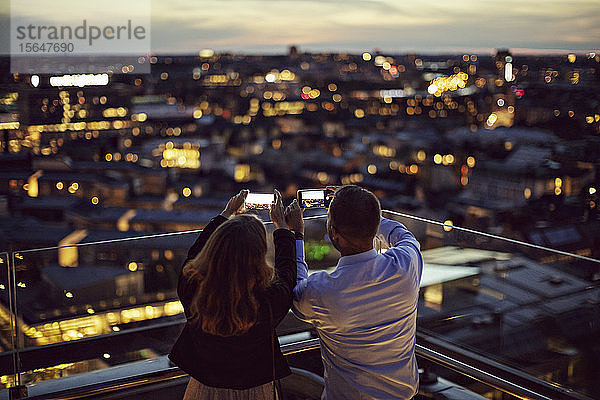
column 365, row 310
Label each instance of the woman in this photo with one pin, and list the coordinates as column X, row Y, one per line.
column 233, row 299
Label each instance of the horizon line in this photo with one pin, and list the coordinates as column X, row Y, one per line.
column 454, row 51
column 450, row 51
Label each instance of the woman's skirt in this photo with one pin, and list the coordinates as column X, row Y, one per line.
column 197, row 391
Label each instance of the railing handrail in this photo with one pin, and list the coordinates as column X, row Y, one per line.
column 396, row 213
column 127, row 239
column 492, row 236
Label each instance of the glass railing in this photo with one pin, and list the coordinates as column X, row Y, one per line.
column 97, row 287
column 523, row 304
column 528, row 304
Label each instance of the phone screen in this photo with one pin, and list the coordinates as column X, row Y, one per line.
column 259, row 201
column 311, row 198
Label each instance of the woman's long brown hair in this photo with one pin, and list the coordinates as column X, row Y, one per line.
column 229, row 271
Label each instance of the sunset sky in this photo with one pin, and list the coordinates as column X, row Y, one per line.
column 398, row 26
column 391, row 25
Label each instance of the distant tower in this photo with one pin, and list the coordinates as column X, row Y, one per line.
column 503, row 106
column 504, row 67
column 293, row 52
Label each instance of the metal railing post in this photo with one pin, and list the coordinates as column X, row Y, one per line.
column 17, row 391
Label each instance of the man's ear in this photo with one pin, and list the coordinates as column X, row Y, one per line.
column 338, row 238
column 334, row 232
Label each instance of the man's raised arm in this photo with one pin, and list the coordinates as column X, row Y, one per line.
column 401, row 242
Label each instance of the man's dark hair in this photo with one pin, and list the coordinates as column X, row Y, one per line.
column 355, row 213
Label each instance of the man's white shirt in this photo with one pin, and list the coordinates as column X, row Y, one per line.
column 365, row 315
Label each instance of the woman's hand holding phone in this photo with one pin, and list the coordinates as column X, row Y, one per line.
column 277, row 212
column 235, row 205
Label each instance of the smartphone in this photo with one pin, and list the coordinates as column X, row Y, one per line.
column 259, row 201
column 315, row 198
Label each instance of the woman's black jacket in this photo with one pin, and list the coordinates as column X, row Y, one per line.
column 244, row 361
